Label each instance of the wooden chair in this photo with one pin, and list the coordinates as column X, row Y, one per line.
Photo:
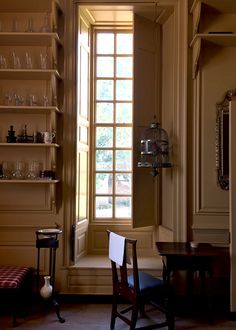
column 136, row 287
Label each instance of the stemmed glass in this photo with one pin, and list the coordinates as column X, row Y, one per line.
column 3, row 62
column 19, row 172
column 14, row 25
column 16, row 61
column 29, row 62
column 32, row 100
column 46, row 25
column 43, row 61
column 6, row 170
column 30, row 25
column 33, row 172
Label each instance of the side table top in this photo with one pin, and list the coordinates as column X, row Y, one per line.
column 185, row 249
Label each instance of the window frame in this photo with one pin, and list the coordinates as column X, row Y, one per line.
column 94, row 124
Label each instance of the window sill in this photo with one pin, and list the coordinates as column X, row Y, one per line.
column 102, row 262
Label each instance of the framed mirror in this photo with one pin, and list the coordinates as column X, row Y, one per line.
column 222, row 140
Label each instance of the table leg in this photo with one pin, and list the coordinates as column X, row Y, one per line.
column 38, row 270
column 210, row 294
column 57, row 308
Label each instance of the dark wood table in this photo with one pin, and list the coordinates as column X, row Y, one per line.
column 181, row 256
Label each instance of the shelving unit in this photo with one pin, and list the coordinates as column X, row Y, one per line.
column 32, row 30
column 213, row 22
column 213, row 71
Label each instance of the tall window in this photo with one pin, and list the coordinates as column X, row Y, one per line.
column 112, row 161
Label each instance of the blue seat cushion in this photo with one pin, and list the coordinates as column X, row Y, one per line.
column 147, row 282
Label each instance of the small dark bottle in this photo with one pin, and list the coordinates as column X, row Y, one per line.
column 25, row 136
column 1, row 172
column 11, row 138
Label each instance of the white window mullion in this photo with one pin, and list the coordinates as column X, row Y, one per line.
column 104, row 97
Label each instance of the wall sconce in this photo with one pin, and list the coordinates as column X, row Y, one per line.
column 154, row 151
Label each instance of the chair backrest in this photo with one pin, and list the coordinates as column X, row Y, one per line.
column 128, row 267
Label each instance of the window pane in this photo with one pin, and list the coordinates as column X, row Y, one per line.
column 104, row 160
column 105, row 43
column 124, row 113
column 123, row 137
column 105, row 66
column 124, row 43
column 103, row 183
column 123, row 207
column 104, row 137
column 124, row 67
column 104, row 90
column 124, row 90
column 123, row 160
column 113, row 79
column 123, row 184
column 103, row 207
column 104, row 113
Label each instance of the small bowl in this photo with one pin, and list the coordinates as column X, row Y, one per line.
column 194, row 245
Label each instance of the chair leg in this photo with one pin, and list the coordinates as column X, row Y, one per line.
column 170, row 313
column 171, row 322
column 134, row 316
column 142, row 309
column 113, row 312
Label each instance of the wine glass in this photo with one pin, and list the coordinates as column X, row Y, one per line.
column 30, row 25
column 43, row 61
column 19, row 172
column 33, row 172
column 6, row 170
column 46, row 24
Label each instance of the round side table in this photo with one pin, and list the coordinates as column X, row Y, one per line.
column 48, row 239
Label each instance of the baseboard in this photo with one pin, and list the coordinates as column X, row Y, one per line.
column 85, row 299
column 232, row 316
column 182, row 304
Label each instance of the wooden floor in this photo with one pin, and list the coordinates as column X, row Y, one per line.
column 96, row 316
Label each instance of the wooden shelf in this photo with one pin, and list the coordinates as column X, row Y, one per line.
column 28, row 38
column 27, row 145
column 23, row 6
column 39, row 181
column 28, row 109
column 222, row 6
column 220, row 39
column 28, row 74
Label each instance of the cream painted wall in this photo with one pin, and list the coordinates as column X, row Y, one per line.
column 174, row 120
column 17, row 228
column 211, row 203
column 167, row 119
column 209, row 215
